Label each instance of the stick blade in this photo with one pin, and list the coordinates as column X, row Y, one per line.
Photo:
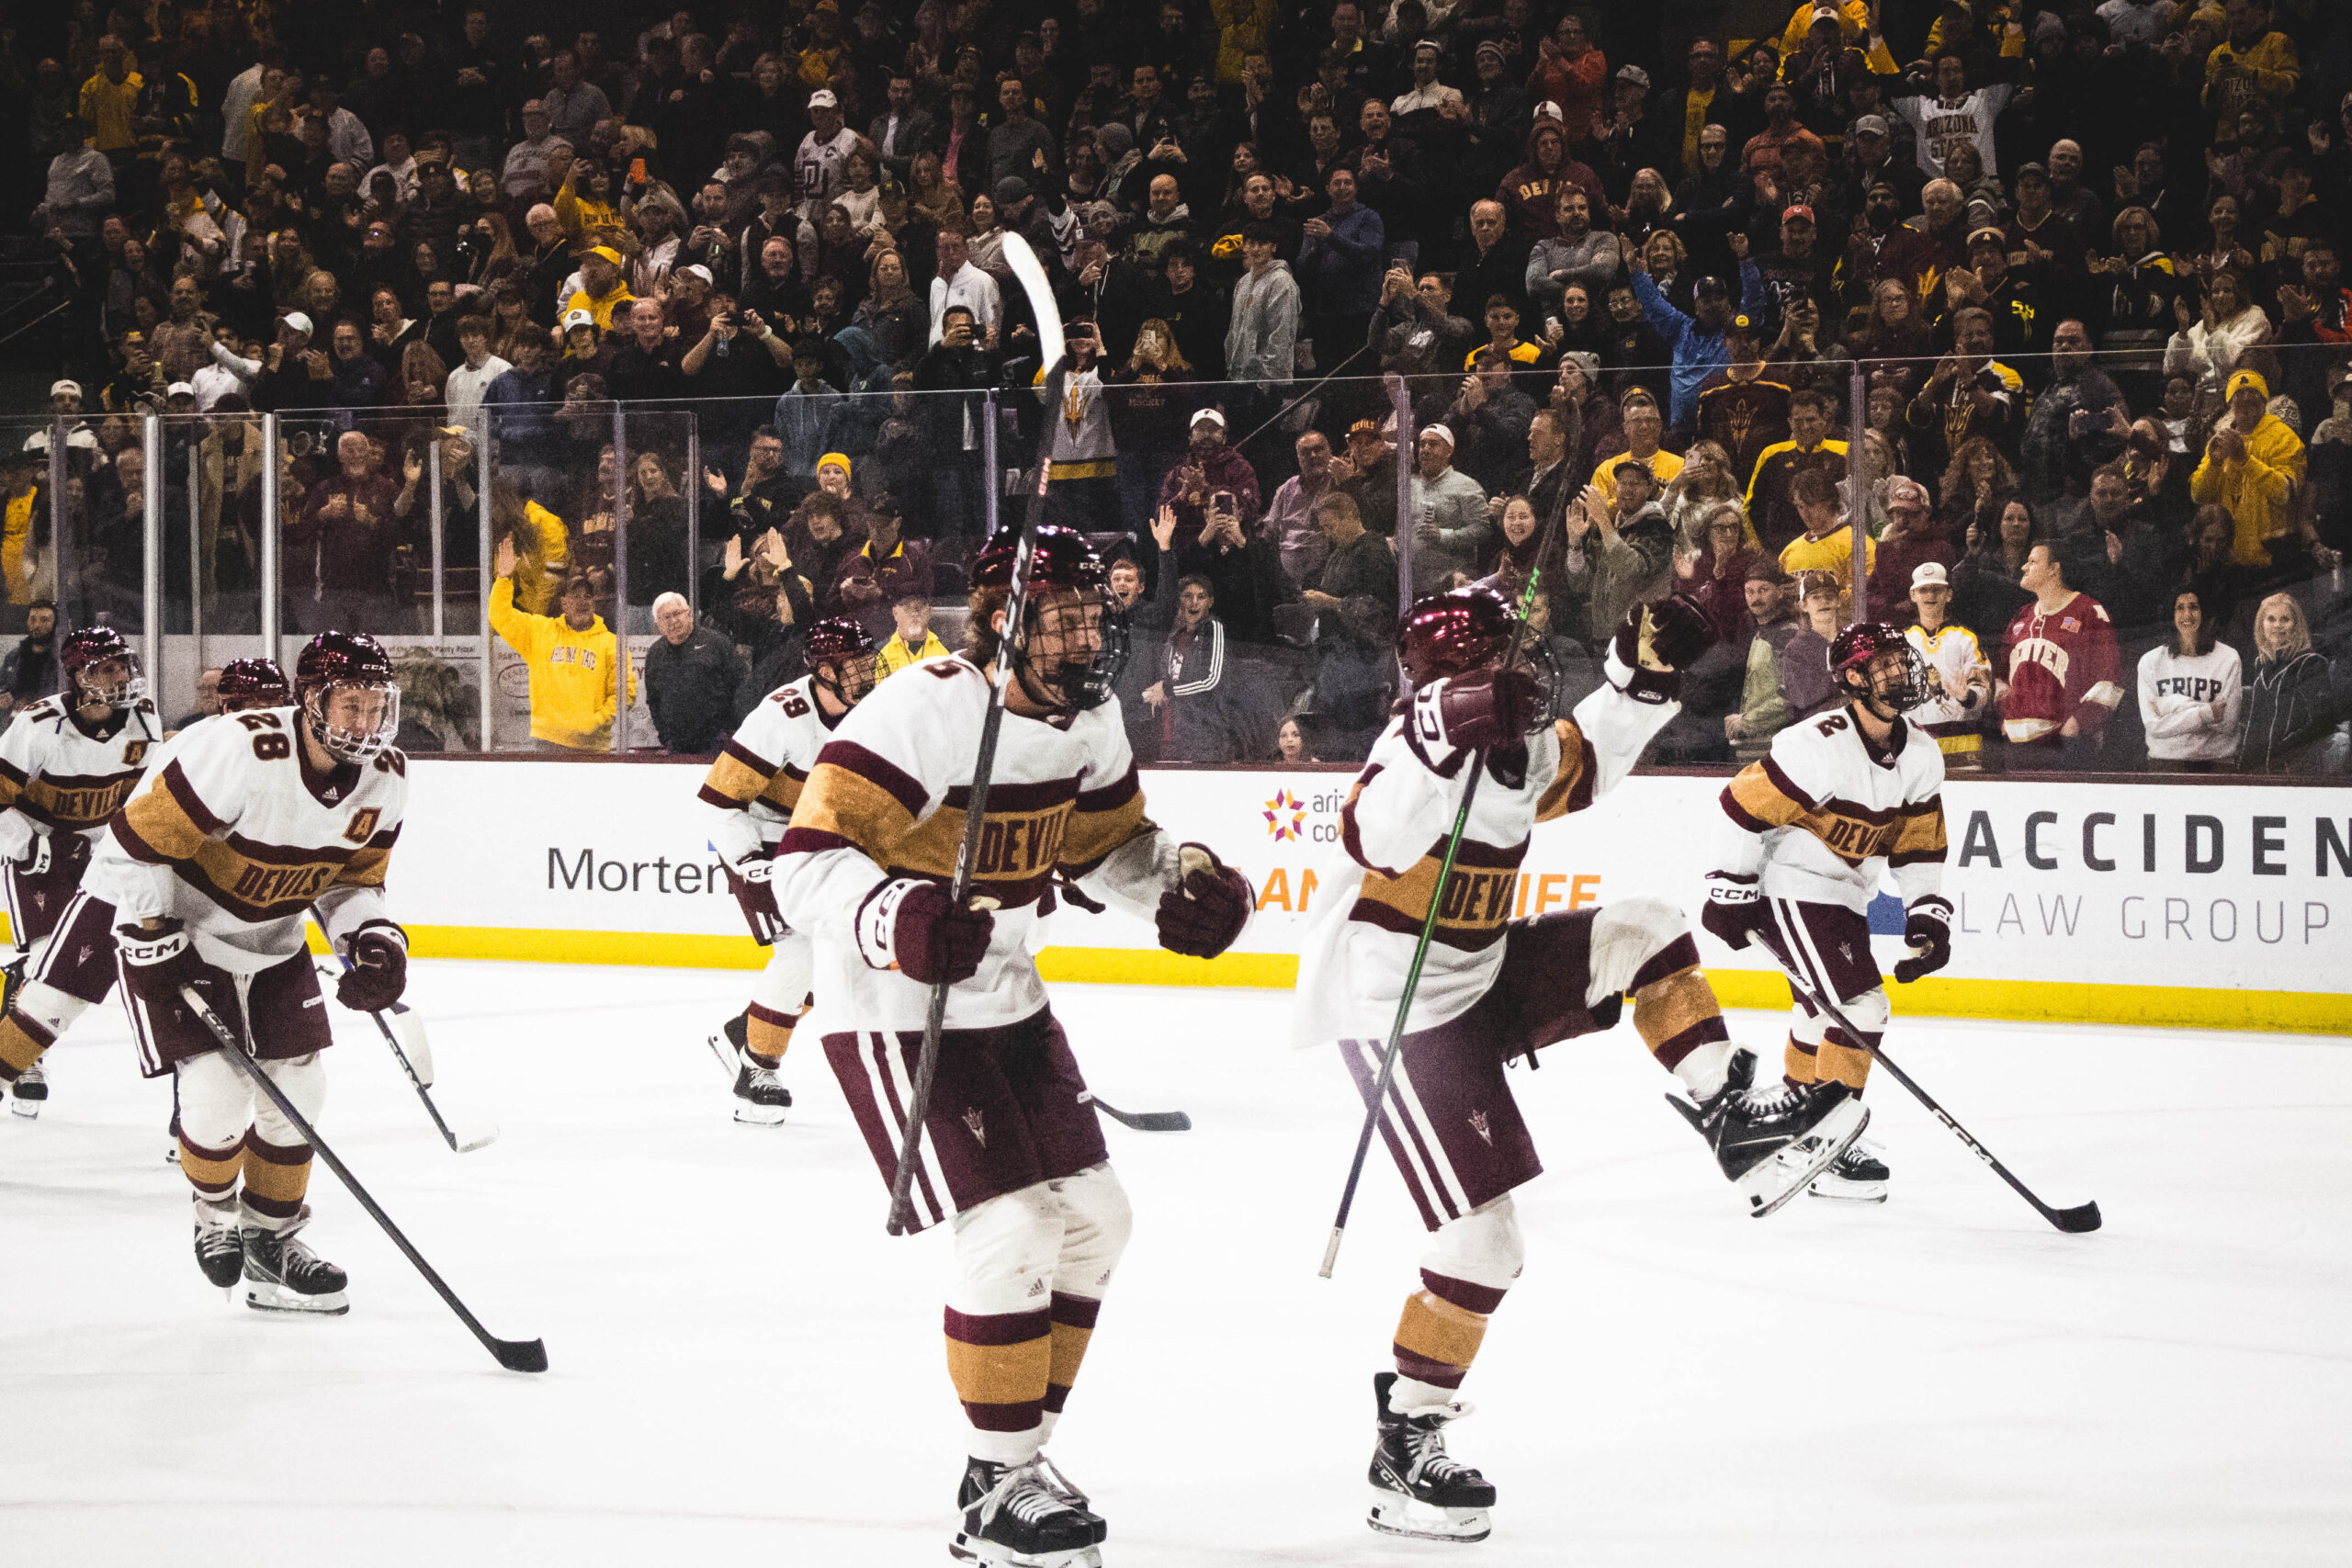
column 521, row 1355
column 2076, row 1221
column 468, row 1139
column 1159, row 1121
column 413, row 1043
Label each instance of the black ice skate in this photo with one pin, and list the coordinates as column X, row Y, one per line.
column 1772, row 1142
column 31, row 1091
column 730, row 1040
column 760, row 1099
column 1858, row 1176
column 1025, row 1515
column 219, row 1251
column 283, row 1275
column 1417, row 1488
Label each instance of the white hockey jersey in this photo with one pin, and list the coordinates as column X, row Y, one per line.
column 887, row 798
column 752, row 787
column 1374, row 892
column 56, row 776
column 1827, row 813
column 1964, row 682
column 234, row 835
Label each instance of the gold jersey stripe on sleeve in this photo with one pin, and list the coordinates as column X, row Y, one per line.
column 1571, row 788
column 165, row 821
column 1920, row 834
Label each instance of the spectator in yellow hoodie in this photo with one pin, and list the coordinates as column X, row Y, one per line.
column 2253, row 465
column 912, row 637
column 571, row 657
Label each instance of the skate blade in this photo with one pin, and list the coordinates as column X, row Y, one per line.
column 1850, row 1192
column 262, row 1296
column 968, row 1548
column 1802, row 1161
column 26, row 1108
column 1393, row 1515
column 172, row 1155
column 722, row 1048
column 752, row 1115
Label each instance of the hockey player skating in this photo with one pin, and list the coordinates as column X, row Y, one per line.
column 1012, row 1152
column 246, row 824
column 66, row 764
column 748, row 798
column 1812, row 828
column 1494, row 988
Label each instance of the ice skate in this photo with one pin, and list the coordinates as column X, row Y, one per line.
column 219, row 1250
column 760, row 1099
column 283, row 1275
column 1025, row 1515
column 31, row 1091
column 1417, row 1488
column 1772, row 1142
column 728, row 1041
column 1857, row 1176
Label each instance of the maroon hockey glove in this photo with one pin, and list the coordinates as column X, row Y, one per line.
column 1204, row 913
column 1926, row 932
column 156, row 964
column 915, row 927
column 749, row 880
column 378, row 976
column 1483, row 708
column 1654, row 643
column 1735, row 911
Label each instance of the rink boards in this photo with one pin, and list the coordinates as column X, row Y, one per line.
column 2222, row 904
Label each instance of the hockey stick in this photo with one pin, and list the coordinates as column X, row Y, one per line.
column 1024, row 263
column 419, row 1050
column 2075, row 1221
column 514, row 1355
column 1141, row 1121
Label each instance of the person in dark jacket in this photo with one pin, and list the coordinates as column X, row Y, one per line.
column 2291, row 702
column 690, row 674
column 29, row 672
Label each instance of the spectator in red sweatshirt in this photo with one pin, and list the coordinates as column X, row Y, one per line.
column 2064, row 677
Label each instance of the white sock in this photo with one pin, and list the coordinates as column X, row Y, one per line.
column 1703, row 1070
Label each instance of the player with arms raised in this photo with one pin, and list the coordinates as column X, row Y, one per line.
column 749, row 796
column 1813, row 828
column 1012, row 1149
column 1493, row 989
column 66, row 764
column 248, row 823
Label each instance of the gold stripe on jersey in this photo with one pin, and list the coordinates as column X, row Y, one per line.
column 165, row 821
column 1572, row 788
column 738, row 778
column 1021, row 842
column 256, row 882
column 1920, row 837
column 74, row 802
column 1102, row 821
column 1478, row 896
column 1763, row 797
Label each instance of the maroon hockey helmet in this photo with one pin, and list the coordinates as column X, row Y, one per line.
column 1857, row 649
column 849, row 648
column 1455, row 633
column 341, row 662
column 253, row 684
column 85, row 649
column 1059, row 667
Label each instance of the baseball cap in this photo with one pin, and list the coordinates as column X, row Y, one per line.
column 1430, row 44
column 179, row 389
column 1443, row 433
column 1212, row 415
column 1709, row 289
column 577, row 319
column 1010, row 189
column 1870, row 125
column 1743, row 323
column 606, row 253
column 1635, row 75
column 1930, row 574
column 300, row 323
column 69, row 388
column 1822, row 13
column 1998, row 240
column 1365, row 427
column 698, row 270
column 822, row 98
column 1798, row 209
column 2036, row 170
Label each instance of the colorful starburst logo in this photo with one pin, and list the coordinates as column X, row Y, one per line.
column 1286, row 817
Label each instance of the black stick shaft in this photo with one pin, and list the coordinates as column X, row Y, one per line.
column 522, row 1356
column 392, row 1039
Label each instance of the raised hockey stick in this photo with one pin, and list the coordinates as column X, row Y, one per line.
column 417, row 1050
column 1141, row 1121
column 514, row 1355
column 1025, row 265
column 2075, row 1221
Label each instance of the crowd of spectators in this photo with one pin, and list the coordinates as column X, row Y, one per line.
column 731, row 282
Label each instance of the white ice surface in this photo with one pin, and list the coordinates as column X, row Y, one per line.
column 745, row 1370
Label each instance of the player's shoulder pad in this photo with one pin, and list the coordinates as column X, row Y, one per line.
column 51, row 707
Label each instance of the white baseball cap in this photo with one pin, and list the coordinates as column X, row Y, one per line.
column 822, row 98
column 298, row 321
column 699, row 271
column 1442, row 432
column 1929, row 574
column 179, row 389
column 1209, row 414
column 577, row 319
column 71, row 389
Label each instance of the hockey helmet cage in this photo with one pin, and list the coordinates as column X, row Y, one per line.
column 346, row 660
column 85, row 649
column 1857, row 647
column 849, row 648
column 1056, row 671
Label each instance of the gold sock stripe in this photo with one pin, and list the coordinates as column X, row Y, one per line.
column 767, row 1042
column 1000, row 1374
column 1843, row 1064
column 1434, row 1329
column 1664, row 1008
column 1069, row 1343
column 208, row 1170
column 1800, row 1062
column 271, row 1176
column 19, row 1047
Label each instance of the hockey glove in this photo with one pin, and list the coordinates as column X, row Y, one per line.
column 1926, row 932
column 1735, row 910
column 750, row 879
column 1654, row 643
column 1486, row 707
column 33, row 859
column 156, row 964
column 913, row 926
column 1204, row 913
column 378, row 973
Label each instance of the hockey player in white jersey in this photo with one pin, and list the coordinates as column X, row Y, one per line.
column 66, row 763
column 1494, row 988
column 1842, row 798
column 248, row 823
column 748, row 798
column 1013, row 1154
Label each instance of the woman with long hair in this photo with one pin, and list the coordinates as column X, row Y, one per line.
column 1883, row 415
column 861, row 193
column 422, row 375
column 2139, row 287
column 934, row 196
column 1289, row 744
column 493, row 252
column 510, row 321
column 886, row 333
column 1513, row 560
column 1583, row 330
column 1151, row 414
column 1977, row 485
column 986, row 245
column 2224, row 251
column 1716, row 572
column 2213, row 570
column 657, row 531
column 2290, row 703
column 2191, row 687
column 1893, row 331
column 2215, row 334
column 1985, row 593
column 1705, row 483
column 1964, row 167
